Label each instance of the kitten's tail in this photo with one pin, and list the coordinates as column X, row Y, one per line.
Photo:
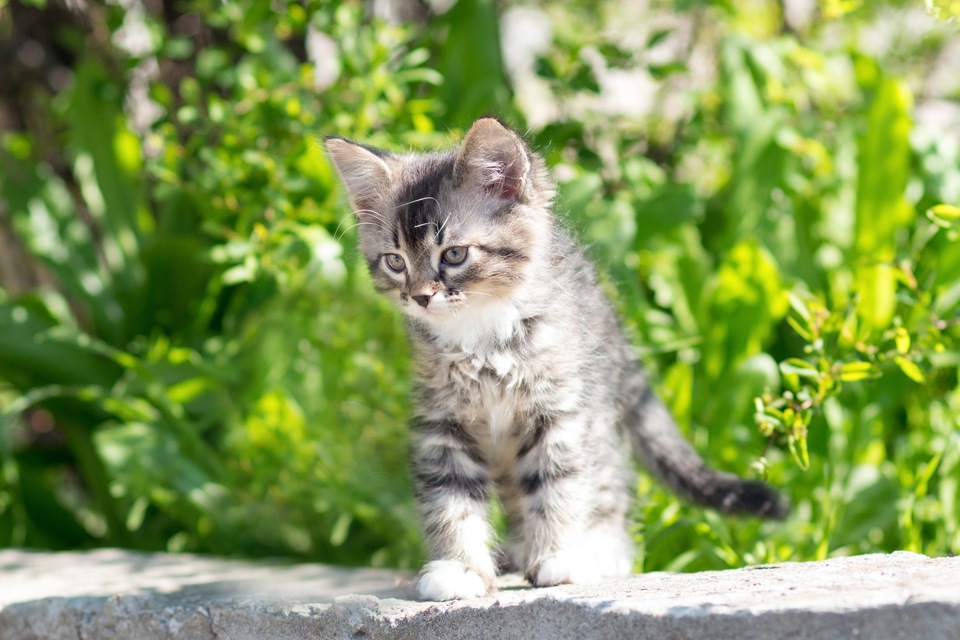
column 667, row 455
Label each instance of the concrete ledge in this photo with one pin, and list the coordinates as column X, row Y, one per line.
column 109, row 594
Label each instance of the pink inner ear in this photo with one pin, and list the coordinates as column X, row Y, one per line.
column 506, row 188
column 504, row 179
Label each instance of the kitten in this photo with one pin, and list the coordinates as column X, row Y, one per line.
column 525, row 384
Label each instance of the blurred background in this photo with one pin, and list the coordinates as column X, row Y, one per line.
column 191, row 355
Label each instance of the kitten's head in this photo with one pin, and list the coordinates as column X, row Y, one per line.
column 443, row 232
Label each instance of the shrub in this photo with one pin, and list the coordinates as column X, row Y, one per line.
column 205, row 366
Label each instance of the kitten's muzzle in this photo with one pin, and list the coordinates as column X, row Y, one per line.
column 423, row 291
column 423, row 300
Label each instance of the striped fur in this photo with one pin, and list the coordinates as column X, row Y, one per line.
column 525, row 386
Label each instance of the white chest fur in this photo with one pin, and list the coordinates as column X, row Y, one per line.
column 483, row 323
column 488, row 374
column 490, row 387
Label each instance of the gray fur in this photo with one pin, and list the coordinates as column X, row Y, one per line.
column 525, row 385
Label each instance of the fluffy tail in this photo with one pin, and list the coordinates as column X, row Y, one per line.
column 670, row 458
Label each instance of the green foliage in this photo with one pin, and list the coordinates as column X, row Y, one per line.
column 206, row 367
column 944, row 9
column 205, row 348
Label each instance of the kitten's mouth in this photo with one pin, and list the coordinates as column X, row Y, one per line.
column 435, row 306
column 436, row 309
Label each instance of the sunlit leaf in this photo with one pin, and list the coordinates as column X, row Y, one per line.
column 902, row 339
column 745, row 298
column 798, row 449
column 884, row 155
column 944, row 9
column 855, row 371
column 799, row 367
column 944, row 215
column 340, row 529
column 911, row 369
column 800, row 318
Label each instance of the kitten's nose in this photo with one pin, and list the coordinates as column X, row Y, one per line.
column 423, row 300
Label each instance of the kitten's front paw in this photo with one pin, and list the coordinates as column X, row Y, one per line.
column 566, row 567
column 451, row 580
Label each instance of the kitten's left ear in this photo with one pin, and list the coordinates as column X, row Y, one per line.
column 364, row 171
column 493, row 158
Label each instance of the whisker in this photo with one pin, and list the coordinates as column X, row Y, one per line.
column 440, row 228
column 336, row 232
column 572, row 298
column 419, row 200
column 353, row 226
column 429, row 222
column 356, row 214
column 375, row 214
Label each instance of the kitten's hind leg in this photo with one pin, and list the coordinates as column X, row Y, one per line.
column 608, row 539
column 576, row 498
column 451, row 482
column 596, row 554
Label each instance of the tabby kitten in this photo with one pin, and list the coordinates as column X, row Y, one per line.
column 525, row 384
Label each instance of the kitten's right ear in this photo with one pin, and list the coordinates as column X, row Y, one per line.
column 493, row 158
column 363, row 170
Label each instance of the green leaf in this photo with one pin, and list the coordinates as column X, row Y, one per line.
column 110, row 176
column 661, row 71
column 922, row 485
column 855, row 371
column 671, row 206
column 47, row 221
column 911, row 369
column 340, row 529
column 944, row 215
column 800, row 318
column 884, row 156
column 801, row 368
column 147, row 461
column 178, row 271
column 746, row 298
column 30, row 357
column 659, row 36
column 798, row 449
column 946, row 10
column 138, row 510
column 902, row 340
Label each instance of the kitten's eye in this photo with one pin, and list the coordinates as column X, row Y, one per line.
column 394, row 262
column 454, row 255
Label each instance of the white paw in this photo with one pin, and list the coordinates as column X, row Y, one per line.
column 450, row 580
column 567, row 567
column 613, row 554
column 599, row 556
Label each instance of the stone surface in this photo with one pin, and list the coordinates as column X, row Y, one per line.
column 117, row 594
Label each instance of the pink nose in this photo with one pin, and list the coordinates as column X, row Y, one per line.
column 422, row 300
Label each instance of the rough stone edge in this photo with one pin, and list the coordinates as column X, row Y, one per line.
column 139, row 617
column 915, row 611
